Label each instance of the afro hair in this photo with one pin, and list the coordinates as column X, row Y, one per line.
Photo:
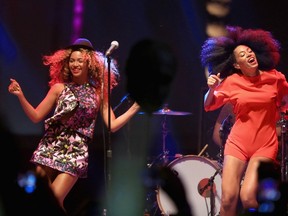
column 217, row 52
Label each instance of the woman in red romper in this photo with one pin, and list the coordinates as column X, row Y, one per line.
column 242, row 72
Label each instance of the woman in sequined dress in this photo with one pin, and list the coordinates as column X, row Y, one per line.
column 78, row 90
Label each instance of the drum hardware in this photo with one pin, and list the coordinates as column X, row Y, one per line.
column 165, row 152
column 209, row 185
column 224, row 132
column 163, row 158
column 203, row 149
column 284, row 162
column 166, row 111
column 209, row 189
column 194, row 172
column 159, row 157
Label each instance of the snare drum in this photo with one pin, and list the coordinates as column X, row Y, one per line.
column 194, row 173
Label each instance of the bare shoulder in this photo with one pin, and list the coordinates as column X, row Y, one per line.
column 57, row 88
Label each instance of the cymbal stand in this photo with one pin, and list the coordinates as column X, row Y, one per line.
column 164, row 134
column 159, row 157
column 283, row 148
column 163, row 156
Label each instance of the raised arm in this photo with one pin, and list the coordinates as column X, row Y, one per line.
column 36, row 114
column 212, row 82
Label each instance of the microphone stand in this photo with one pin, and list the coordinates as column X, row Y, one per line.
column 210, row 184
column 108, row 158
column 108, row 148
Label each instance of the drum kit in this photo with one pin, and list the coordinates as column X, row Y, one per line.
column 200, row 177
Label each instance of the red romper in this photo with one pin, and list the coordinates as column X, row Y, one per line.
column 255, row 101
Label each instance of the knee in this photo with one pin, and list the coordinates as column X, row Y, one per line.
column 40, row 171
column 248, row 201
column 228, row 200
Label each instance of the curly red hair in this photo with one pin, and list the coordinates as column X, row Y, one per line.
column 98, row 70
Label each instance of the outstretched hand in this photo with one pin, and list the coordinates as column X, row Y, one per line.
column 14, row 87
column 213, row 81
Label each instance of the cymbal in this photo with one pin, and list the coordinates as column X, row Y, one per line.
column 167, row 111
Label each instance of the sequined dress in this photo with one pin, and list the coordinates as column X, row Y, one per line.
column 64, row 145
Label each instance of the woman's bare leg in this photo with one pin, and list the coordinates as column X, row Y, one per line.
column 232, row 173
column 249, row 187
column 62, row 185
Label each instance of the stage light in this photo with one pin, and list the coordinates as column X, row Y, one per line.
column 215, row 29
column 77, row 19
column 217, row 11
column 218, row 8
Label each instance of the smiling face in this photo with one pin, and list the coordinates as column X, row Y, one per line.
column 246, row 60
column 78, row 67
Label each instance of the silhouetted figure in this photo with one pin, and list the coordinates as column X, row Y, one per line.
column 150, row 68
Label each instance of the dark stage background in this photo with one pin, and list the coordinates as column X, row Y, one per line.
column 32, row 28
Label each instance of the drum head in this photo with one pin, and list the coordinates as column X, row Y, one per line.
column 201, row 178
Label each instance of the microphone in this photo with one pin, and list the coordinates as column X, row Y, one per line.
column 114, row 45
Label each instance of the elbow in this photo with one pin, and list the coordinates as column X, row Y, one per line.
column 114, row 129
column 206, row 107
column 35, row 120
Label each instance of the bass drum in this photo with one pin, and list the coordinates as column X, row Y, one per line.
column 201, row 178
